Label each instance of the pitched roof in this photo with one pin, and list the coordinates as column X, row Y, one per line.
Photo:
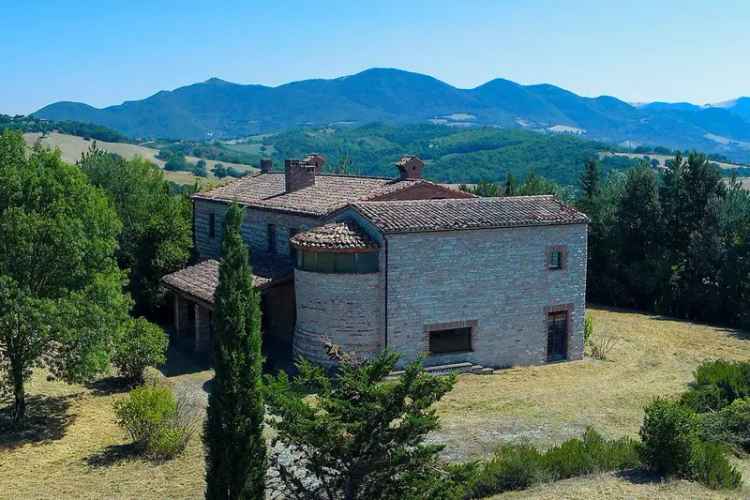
column 200, row 281
column 327, row 194
column 469, row 213
column 341, row 236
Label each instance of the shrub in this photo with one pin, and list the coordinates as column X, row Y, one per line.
column 667, row 434
column 709, row 465
column 159, row 423
column 717, row 384
column 513, row 467
column 520, row 466
column 730, row 425
column 588, row 329
column 143, row 344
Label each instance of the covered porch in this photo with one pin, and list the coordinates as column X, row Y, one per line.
column 193, row 289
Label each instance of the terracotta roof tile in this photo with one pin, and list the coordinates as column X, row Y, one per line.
column 201, row 280
column 469, row 213
column 343, row 236
column 329, row 192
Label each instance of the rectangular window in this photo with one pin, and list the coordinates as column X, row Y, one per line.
column 555, row 259
column 344, row 262
column 557, row 336
column 211, row 225
column 271, row 238
column 450, row 340
column 326, row 262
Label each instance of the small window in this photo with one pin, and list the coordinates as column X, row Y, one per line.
column 450, row 340
column 556, row 258
column 211, row 225
column 271, row 238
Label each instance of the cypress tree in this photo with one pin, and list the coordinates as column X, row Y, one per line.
column 235, row 449
column 590, row 184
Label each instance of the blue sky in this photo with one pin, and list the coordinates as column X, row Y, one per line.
column 105, row 52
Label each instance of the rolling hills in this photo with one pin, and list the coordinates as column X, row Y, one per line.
column 218, row 109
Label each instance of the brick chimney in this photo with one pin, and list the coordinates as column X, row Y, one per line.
column 410, row 167
column 266, row 165
column 298, row 175
column 315, row 159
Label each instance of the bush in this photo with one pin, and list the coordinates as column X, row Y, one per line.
column 592, row 453
column 513, row 467
column 667, row 434
column 709, row 465
column 143, row 344
column 730, row 425
column 717, row 384
column 588, row 329
column 159, row 424
column 520, row 466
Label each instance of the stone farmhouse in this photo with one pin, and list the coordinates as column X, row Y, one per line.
column 402, row 264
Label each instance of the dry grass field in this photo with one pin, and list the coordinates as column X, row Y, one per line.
column 80, row 452
column 662, row 159
column 72, row 147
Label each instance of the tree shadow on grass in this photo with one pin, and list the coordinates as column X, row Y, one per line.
column 47, row 418
column 109, row 385
column 114, row 454
column 639, row 476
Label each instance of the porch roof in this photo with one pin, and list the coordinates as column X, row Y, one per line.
column 200, row 281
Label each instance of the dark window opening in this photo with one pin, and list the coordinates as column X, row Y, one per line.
column 557, row 336
column 450, row 340
column 555, row 259
column 271, row 238
column 211, row 225
column 336, row 262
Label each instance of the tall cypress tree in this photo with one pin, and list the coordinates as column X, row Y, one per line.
column 590, row 183
column 235, row 449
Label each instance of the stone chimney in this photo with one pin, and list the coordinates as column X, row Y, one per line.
column 298, row 175
column 410, row 167
column 315, row 159
column 266, row 165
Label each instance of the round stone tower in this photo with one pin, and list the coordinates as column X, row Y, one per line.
column 338, row 292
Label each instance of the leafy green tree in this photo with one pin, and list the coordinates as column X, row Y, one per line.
column 235, row 449
column 638, row 238
column 360, row 437
column 220, row 170
column 156, row 237
column 61, row 301
column 200, row 168
column 142, row 344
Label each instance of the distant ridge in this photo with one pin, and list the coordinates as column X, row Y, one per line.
column 219, row 109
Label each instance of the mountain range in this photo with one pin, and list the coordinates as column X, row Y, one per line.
column 216, row 109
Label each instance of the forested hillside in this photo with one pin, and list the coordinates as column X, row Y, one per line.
column 452, row 155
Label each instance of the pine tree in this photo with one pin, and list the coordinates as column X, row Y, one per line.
column 235, row 449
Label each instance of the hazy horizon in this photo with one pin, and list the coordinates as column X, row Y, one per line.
column 104, row 55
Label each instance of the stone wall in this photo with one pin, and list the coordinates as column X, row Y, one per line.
column 254, row 228
column 344, row 309
column 496, row 278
